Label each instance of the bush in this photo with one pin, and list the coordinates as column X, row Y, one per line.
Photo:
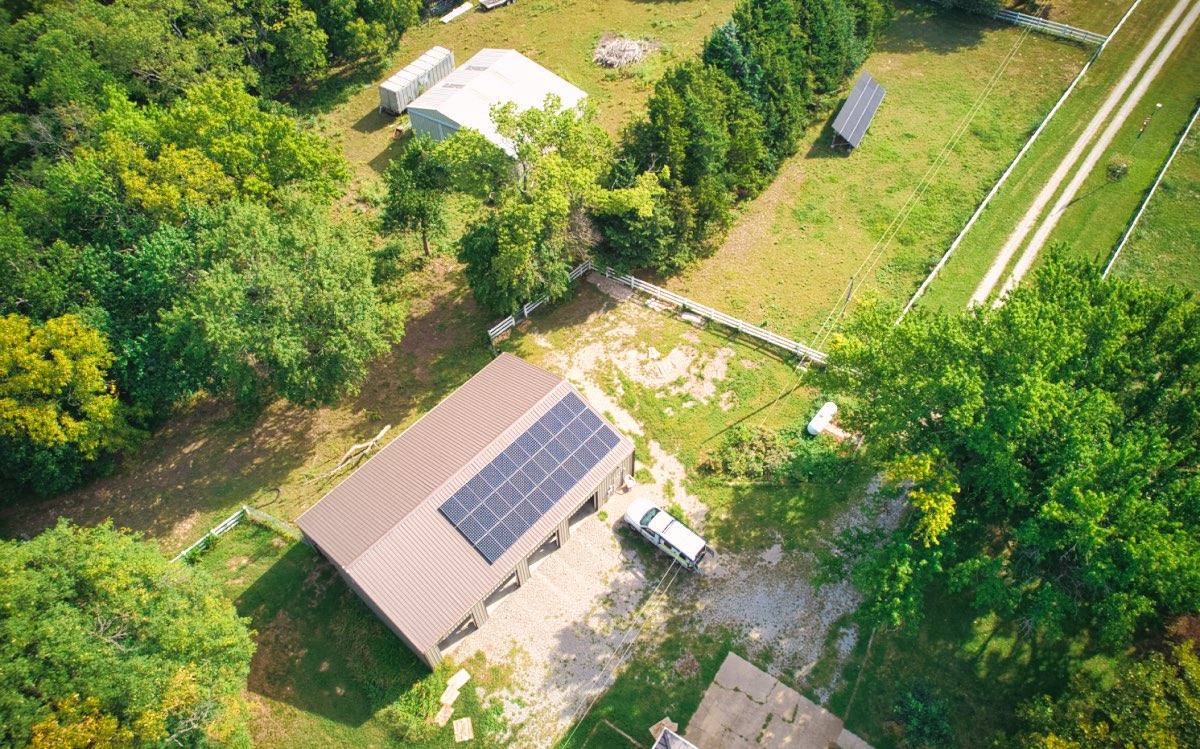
column 786, row 455
column 408, row 718
column 1118, row 167
column 926, row 719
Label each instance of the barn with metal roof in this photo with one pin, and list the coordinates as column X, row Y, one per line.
column 451, row 511
column 493, row 76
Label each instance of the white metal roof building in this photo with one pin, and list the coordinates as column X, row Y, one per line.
column 493, row 76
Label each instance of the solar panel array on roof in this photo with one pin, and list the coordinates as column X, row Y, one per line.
column 852, row 122
column 496, row 506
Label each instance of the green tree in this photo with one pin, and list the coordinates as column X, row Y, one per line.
column 285, row 305
column 103, row 643
column 1069, row 420
column 1152, row 702
column 59, row 414
column 417, row 185
column 525, row 249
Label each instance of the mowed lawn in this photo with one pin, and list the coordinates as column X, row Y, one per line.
column 790, row 257
column 1094, row 223
column 324, row 665
column 1165, row 246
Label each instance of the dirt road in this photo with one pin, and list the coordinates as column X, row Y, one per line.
column 1030, row 220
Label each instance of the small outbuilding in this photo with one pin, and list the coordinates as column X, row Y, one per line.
column 856, row 115
column 414, row 79
column 491, row 77
column 450, row 513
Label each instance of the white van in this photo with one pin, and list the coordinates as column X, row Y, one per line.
column 667, row 533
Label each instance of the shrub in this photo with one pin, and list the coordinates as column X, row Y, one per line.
column 786, row 455
column 408, row 718
column 926, row 719
column 1118, row 167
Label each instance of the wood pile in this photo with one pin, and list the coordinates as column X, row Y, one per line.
column 613, row 51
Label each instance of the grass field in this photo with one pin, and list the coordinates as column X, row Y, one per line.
column 1102, row 210
column 324, row 664
column 1163, row 248
column 559, row 35
column 791, row 255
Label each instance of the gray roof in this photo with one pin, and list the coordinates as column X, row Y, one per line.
column 381, row 525
column 858, row 111
column 668, row 739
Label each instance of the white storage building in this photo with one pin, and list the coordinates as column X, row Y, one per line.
column 417, row 77
column 493, row 76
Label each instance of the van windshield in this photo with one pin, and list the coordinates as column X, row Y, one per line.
column 649, row 516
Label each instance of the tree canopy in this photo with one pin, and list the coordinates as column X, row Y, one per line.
column 1053, row 444
column 104, row 644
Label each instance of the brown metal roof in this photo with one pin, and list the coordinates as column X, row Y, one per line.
column 382, row 525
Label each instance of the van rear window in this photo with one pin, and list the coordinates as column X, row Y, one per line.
column 649, row 516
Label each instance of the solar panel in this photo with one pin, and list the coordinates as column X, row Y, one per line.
column 855, row 117
column 521, row 484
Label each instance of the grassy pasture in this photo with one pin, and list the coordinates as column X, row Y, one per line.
column 558, row 34
column 791, row 254
column 324, row 664
column 1163, row 246
column 1095, row 222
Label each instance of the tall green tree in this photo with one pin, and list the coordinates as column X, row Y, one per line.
column 1151, row 702
column 284, row 306
column 525, row 249
column 417, row 187
column 1068, row 419
column 104, row 644
column 59, row 414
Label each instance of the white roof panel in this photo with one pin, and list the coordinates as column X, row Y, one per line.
column 494, row 76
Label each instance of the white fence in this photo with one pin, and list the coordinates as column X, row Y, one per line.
column 508, row 322
column 281, row 527
column 740, row 326
column 1051, row 27
column 222, row 528
column 684, row 304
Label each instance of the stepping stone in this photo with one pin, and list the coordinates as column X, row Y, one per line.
column 460, row 678
column 449, row 696
column 443, row 715
column 463, row 730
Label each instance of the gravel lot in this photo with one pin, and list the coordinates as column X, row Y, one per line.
column 559, row 631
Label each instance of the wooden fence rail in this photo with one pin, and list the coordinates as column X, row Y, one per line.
column 684, row 304
column 221, row 529
column 741, row 326
column 1051, row 27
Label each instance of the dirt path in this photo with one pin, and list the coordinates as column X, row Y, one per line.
column 1030, row 219
column 1106, row 138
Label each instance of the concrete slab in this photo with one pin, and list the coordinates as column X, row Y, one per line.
column 740, row 674
column 847, row 740
column 745, row 708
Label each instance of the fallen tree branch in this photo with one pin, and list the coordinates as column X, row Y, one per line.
column 354, row 453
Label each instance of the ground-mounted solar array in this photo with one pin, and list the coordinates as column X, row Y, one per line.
column 852, row 122
column 497, row 505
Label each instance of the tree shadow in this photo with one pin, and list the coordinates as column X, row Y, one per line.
column 928, row 27
column 207, row 460
column 319, row 648
column 336, row 87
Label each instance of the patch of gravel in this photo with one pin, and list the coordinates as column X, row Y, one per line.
column 559, row 631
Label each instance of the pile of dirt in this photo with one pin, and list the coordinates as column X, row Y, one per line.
column 613, row 51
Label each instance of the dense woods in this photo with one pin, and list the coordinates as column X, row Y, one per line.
column 165, row 229
column 104, row 644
